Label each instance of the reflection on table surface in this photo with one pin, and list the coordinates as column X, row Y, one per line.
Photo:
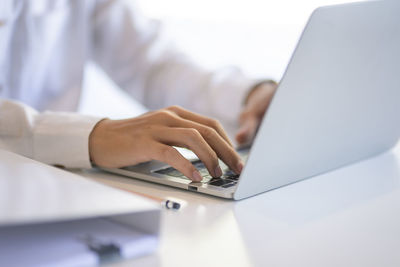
column 346, row 217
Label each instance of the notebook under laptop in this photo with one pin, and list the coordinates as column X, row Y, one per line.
column 51, row 217
column 338, row 103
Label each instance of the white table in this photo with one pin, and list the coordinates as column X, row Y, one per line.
column 349, row 217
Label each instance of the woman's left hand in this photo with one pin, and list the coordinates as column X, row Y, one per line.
column 256, row 104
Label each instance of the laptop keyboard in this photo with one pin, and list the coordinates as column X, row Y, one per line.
column 228, row 178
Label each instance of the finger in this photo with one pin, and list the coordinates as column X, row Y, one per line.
column 248, row 122
column 242, row 134
column 171, row 156
column 247, row 129
column 223, row 150
column 191, row 138
column 188, row 115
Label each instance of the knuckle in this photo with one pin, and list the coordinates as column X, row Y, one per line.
column 209, row 132
column 215, row 123
column 174, row 108
column 193, row 134
column 165, row 114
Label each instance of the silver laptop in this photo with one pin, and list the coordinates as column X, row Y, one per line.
column 338, row 103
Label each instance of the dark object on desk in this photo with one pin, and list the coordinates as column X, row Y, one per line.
column 169, row 204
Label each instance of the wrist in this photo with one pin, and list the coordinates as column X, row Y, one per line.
column 271, row 83
column 93, row 142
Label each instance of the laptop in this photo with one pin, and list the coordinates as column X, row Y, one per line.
column 337, row 103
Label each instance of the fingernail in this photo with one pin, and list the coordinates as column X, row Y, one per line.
column 196, row 176
column 240, row 167
column 218, row 171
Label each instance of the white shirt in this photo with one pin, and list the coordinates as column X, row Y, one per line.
column 44, row 45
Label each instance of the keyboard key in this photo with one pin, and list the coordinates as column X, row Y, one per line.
column 233, row 177
column 203, row 172
column 170, row 171
column 229, row 173
column 229, row 185
column 198, row 164
column 206, row 180
column 220, row 182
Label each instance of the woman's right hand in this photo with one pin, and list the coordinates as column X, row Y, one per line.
column 120, row 143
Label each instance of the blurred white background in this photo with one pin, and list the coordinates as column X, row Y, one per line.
column 259, row 36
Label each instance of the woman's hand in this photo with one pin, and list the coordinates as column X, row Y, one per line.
column 119, row 143
column 256, row 104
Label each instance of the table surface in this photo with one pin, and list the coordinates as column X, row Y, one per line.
column 348, row 217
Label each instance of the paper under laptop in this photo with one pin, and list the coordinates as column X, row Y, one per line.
column 50, row 217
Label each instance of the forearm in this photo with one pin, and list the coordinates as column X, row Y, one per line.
column 130, row 48
column 217, row 94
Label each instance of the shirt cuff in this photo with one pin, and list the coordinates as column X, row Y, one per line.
column 63, row 139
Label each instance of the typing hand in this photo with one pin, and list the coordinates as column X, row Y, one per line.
column 119, row 143
column 256, row 104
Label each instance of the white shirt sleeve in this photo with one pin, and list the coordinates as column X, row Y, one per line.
column 132, row 52
column 56, row 138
